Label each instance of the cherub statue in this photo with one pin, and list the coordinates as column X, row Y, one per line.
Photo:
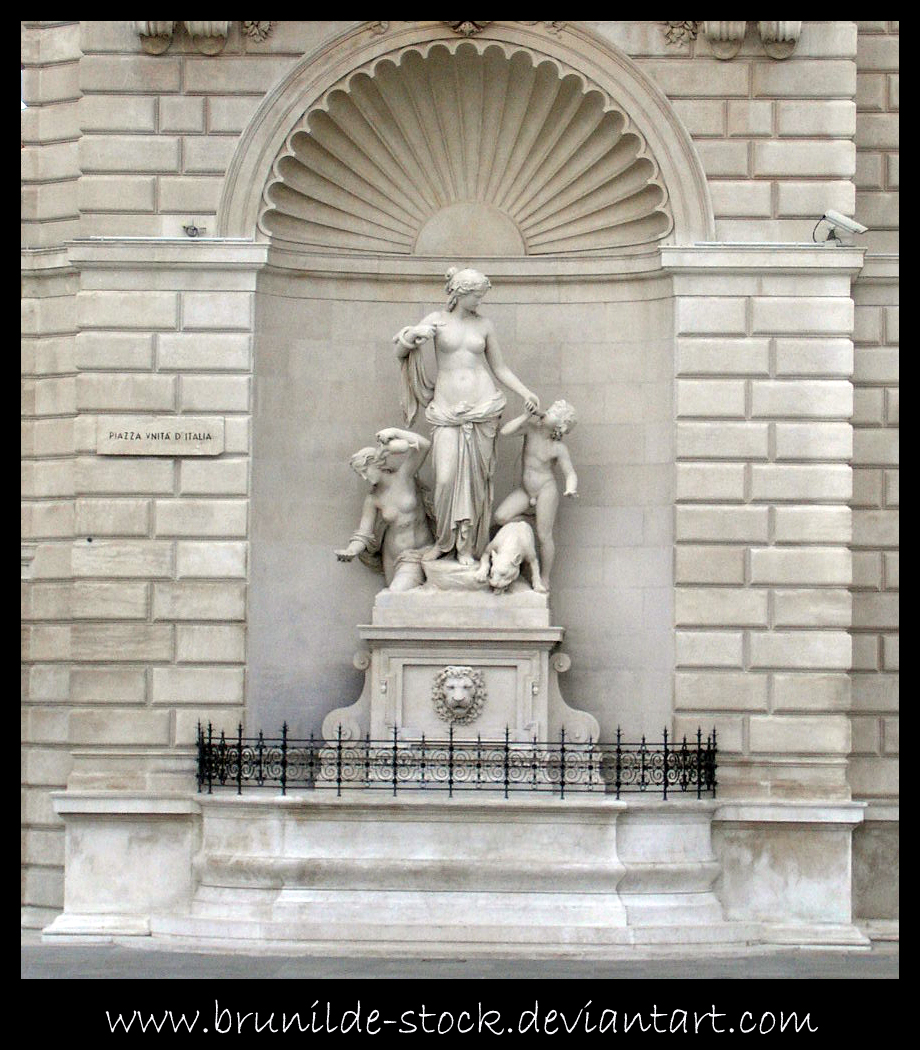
column 538, row 493
column 395, row 528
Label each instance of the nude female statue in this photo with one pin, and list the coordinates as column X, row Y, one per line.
column 394, row 530
column 464, row 406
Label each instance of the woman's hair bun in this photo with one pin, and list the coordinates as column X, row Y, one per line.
column 449, row 276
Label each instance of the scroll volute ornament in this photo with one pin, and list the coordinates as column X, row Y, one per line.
column 779, row 38
column 208, row 37
column 725, row 38
column 155, row 36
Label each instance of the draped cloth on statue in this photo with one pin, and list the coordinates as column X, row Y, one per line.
column 463, row 454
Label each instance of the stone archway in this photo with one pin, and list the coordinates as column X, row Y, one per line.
column 571, row 57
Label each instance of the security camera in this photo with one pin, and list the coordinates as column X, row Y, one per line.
column 835, row 221
column 841, row 222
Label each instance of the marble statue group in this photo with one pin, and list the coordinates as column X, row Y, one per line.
column 444, row 536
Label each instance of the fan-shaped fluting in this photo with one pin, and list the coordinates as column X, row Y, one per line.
column 396, row 145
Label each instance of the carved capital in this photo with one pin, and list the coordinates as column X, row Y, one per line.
column 680, row 33
column 257, row 31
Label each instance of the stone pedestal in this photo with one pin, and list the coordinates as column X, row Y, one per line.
column 506, row 639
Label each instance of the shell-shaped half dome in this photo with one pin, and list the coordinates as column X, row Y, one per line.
column 459, row 151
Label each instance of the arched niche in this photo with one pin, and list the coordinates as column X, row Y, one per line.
column 580, row 63
column 590, row 321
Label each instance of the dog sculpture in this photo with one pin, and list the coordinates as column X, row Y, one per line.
column 501, row 561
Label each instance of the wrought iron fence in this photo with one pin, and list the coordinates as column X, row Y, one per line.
column 669, row 767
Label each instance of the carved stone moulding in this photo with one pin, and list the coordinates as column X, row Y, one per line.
column 155, row 36
column 725, row 38
column 779, row 38
column 208, row 38
column 465, row 148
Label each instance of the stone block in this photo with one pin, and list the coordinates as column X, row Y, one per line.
column 805, row 398
column 724, row 158
column 211, row 559
column 210, row 644
column 868, row 406
column 892, row 324
column 214, row 394
column 833, row 118
column 187, row 720
column 199, row 601
column 729, row 730
column 876, row 528
column 710, row 481
column 45, row 765
column 826, row 735
column 812, row 608
column 749, row 119
column 700, row 78
column 720, row 440
column 809, row 565
column 891, row 561
column 44, row 846
column 873, row 446
column 128, row 153
column 127, row 477
column 876, row 365
column 198, row 685
column 118, row 113
column 234, row 75
column 820, row 650
column 130, row 73
column 871, row 92
column 717, row 606
column 878, row 611
column 708, row 648
column 725, row 691
column 892, row 171
column 219, row 477
column 814, row 441
column 805, row 78
column 798, row 483
column 866, row 652
column 108, row 685
column 189, row 196
column 112, row 517
column 55, row 396
column 878, row 52
column 729, row 524
column 875, row 692
column 231, row 113
column 867, row 569
column 781, row 315
column 121, row 642
column 112, row 726
column 710, row 397
column 113, row 558
column 893, row 407
column 874, row 777
column 742, row 199
column 867, row 487
column 709, row 564
column 869, row 171
column 103, row 392
column 192, row 517
column 125, row 309
column 891, row 735
column 47, row 520
column 891, row 652
column 208, row 154
column 181, row 113
column 47, row 683
column 836, row 158
column 110, row 601
column 46, row 725
column 810, row 200
column 811, row 692
column 114, row 351
column 47, row 437
column 117, row 193
column 723, row 356
column 206, row 351
column 47, row 478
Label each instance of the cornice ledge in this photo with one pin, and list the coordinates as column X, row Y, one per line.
column 882, row 267
column 779, row 257
column 153, row 253
column 53, row 261
column 788, row 812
